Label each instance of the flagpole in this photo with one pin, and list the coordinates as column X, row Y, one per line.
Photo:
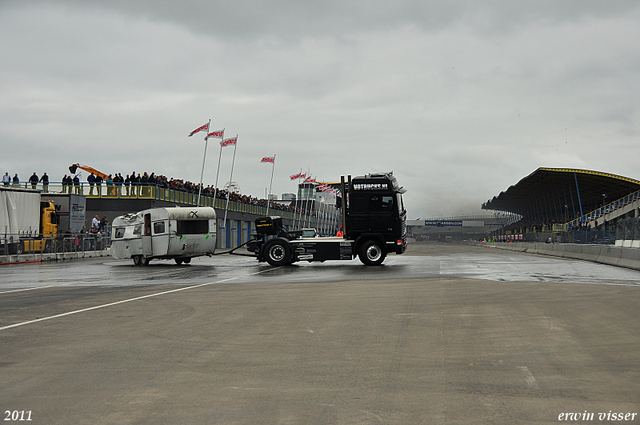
column 303, row 202
column 215, row 191
column 273, row 167
column 233, row 161
column 298, row 215
column 204, row 157
column 308, row 217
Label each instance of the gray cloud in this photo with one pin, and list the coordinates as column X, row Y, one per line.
column 461, row 99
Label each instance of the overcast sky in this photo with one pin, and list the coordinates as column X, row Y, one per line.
column 459, row 98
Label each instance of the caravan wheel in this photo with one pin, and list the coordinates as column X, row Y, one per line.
column 137, row 260
column 178, row 261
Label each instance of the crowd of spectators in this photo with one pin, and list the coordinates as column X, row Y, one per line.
column 133, row 184
column 187, row 186
column 139, row 184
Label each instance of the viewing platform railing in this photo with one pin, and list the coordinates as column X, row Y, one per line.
column 157, row 193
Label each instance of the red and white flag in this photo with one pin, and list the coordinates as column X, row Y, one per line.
column 309, row 180
column 271, row 159
column 219, row 133
column 228, row 142
column 298, row 176
column 199, row 129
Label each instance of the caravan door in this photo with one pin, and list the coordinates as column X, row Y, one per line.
column 147, row 245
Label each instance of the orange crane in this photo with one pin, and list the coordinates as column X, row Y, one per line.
column 74, row 167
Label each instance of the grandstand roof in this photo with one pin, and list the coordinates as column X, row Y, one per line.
column 561, row 194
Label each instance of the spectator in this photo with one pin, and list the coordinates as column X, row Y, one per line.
column 134, row 183
column 118, row 180
column 127, row 181
column 144, row 180
column 6, row 179
column 92, row 180
column 45, row 183
column 99, row 181
column 95, row 224
column 104, row 224
column 69, row 181
column 76, row 184
column 34, row 180
column 16, row 180
column 109, row 182
column 64, row 184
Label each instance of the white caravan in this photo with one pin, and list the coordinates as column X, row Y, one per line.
column 180, row 233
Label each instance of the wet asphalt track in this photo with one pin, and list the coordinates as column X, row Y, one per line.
column 444, row 334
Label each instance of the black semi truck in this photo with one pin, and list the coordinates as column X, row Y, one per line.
column 373, row 221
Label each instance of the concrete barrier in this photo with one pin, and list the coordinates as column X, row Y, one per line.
column 60, row 256
column 605, row 254
column 609, row 255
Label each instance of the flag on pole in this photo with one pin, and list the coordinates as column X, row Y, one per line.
column 228, row 142
column 218, row 133
column 297, row 176
column 309, row 180
column 199, row 129
column 271, row 159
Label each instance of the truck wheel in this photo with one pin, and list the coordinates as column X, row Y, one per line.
column 371, row 253
column 277, row 253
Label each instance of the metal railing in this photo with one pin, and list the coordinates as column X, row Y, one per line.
column 158, row 193
column 20, row 247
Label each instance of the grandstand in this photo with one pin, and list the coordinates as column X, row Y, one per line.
column 570, row 205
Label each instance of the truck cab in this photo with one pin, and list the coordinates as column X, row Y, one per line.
column 45, row 239
column 375, row 210
column 373, row 219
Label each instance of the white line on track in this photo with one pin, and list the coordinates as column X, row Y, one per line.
column 157, row 294
column 528, row 377
column 26, row 289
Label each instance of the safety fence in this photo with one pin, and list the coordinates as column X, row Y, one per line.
column 605, row 237
column 24, row 248
column 628, row 232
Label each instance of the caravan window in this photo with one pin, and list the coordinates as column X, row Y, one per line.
column 158, row 227
column 137, row 230
column 119, row 233
column 192, row 227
